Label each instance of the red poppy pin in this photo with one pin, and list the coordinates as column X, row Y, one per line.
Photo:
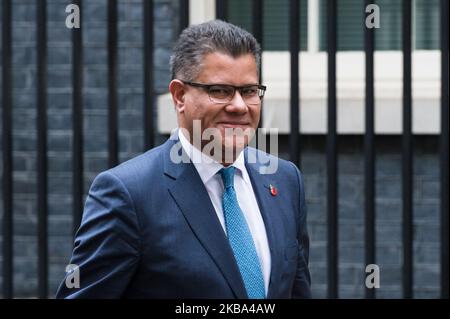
column 273, row 190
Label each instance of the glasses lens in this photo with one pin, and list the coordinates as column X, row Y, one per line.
column 250, row 94
column 221, row 93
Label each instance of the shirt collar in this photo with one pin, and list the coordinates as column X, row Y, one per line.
column 206, row 166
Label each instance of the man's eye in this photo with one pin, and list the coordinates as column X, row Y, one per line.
column 220, row 91
column 250, row 91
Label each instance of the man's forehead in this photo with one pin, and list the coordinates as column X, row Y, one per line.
column 219, row 56
column 220, row 66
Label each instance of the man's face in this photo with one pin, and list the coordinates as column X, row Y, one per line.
column 219, row 68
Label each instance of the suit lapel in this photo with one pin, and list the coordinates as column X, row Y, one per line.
column 192, row 198
column 268, row 206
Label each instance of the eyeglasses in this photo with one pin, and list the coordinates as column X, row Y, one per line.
column 223, row 93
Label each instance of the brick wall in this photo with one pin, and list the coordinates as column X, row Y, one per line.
column 388, row 215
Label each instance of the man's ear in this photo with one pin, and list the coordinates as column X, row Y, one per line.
column 177, row 90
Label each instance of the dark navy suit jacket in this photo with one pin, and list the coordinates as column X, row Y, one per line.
column 149, row 230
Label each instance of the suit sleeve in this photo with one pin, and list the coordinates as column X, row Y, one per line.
column 107, row 244
column 302, row 284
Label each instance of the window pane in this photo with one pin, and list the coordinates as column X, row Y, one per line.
column 389, row 36
column 350, row 25
column 275, row 21
column 239, row 13
column 427, row 24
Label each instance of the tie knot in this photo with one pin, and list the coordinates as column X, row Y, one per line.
column 227, row 176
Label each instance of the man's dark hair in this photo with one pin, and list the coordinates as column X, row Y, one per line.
column 198, row 40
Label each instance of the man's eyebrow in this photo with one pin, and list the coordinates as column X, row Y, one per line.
column 237, row 86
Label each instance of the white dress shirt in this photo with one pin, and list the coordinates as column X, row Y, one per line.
column 208, row 169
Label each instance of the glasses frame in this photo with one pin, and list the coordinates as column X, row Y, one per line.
column 207, row 87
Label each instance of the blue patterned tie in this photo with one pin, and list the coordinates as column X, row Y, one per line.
column 240, row 238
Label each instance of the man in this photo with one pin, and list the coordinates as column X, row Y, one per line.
column 205, row 227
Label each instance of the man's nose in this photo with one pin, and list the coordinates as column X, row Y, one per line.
column 237, row 104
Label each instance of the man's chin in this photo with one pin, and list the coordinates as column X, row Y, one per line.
column 231, row 148
column 234, row 143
